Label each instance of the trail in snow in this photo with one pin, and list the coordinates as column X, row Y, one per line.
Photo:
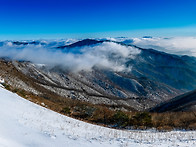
column 23, row 123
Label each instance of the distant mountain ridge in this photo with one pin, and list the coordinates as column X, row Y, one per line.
column 85, row 42
column 155, row 77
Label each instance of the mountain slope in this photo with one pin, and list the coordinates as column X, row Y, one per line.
column 24, row 123
column 97, row 71
column 185, row 102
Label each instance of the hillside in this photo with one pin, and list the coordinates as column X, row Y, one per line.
column 184, row 102
column 96, row 71
column 24, row 123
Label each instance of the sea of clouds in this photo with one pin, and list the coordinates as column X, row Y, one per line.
column 175, row 45
column 107, row 55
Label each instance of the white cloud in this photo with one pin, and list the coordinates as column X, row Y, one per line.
column 107, row 55
column 175, row 45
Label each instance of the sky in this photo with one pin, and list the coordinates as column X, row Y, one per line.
column 22, row 19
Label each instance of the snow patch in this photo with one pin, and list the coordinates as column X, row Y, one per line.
column 2, row 80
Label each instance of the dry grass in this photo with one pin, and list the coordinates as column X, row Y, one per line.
column 178, row 120
column 103, row 115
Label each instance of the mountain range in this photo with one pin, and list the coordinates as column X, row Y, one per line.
column 141, row 80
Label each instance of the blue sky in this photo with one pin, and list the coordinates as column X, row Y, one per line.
column 96, row 18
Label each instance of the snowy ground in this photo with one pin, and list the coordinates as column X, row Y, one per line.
column 23, row 123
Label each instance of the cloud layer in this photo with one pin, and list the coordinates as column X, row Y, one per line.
column 176, row 45
column 107, row 55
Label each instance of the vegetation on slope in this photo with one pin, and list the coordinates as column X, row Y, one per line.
column 103, row 115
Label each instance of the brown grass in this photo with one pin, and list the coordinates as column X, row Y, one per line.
column 103, row 115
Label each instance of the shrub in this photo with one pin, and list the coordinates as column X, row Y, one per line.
column 6, row 86
column 66, row 110
column 142, row 119
column 83, row 111
column 22, row 93
column 121, row 119
column 102, row 115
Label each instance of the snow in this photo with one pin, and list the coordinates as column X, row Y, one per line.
column 1, row 80
column 25, row 124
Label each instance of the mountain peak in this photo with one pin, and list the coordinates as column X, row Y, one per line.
column 85, row 42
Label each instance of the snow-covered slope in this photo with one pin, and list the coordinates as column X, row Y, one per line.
column 23, row 123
